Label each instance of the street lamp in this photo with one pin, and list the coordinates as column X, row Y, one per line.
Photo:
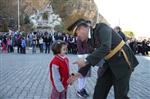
column 18, row 17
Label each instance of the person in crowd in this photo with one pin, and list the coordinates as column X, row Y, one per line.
column 82, row 51
column 23, row 46
column 19, row 37
column 48, row 41
column 41, row 44
column 9, row 44
column 34, row 42
column 133, row 45
column 118, row 30
column 144, row 47
column 4, row 48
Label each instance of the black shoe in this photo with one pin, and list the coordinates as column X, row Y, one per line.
column 81, row 94
column 127, row 97
column 85, row 92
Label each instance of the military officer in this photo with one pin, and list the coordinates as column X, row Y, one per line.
column 119, row 59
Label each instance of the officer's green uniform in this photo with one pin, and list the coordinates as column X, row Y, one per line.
column 116, row 70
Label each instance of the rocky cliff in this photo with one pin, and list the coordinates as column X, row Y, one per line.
column 68, row 10
column 9, row 7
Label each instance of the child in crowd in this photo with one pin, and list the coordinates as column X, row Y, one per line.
column 59, row 70
column 4, row 49
column 23, row 46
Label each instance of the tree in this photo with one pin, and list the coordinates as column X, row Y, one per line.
column 4, row 27
column 11, row 23
column 60, row 27
column 129, row 34
column 26, row 19
column 45, row 16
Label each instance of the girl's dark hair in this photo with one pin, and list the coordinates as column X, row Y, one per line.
column 57, row 45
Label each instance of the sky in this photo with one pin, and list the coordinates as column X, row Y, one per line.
column 130, row 15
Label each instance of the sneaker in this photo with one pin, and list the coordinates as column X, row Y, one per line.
column 81, row 94
column 85, row 92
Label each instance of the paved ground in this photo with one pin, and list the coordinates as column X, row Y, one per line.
column 27, row 77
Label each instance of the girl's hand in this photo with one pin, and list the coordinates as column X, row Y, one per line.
column 73, row 78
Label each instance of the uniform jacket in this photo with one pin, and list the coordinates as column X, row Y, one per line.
column 104, row 40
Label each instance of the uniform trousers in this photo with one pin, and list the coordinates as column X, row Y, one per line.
column 106, row 81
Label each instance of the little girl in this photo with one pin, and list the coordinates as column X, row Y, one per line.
column 59, row 70
column 4, row 49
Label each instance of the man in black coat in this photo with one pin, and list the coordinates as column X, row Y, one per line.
column 117, row 29
column 119, row 60
column 48, row 41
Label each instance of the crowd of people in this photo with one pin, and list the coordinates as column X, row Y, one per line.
column 137, row 46
column 35, row 41
column 140, row 47
column 43, row 41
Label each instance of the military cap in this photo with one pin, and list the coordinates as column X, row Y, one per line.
column 73, row 27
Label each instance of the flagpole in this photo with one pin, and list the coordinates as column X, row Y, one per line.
column 18, row 16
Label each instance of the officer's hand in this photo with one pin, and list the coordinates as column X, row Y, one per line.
column 81, row 63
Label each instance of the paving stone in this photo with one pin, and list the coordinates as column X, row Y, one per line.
column 27, row 77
